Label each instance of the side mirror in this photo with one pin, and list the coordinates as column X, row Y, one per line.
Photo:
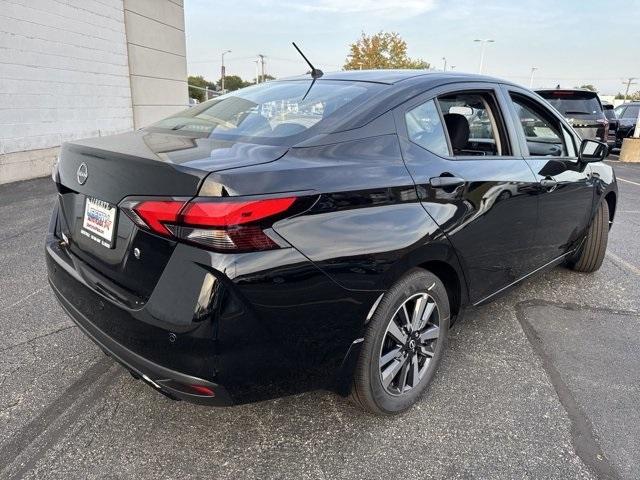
column 592, row 151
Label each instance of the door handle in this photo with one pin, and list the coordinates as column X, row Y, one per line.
column 548, row 183
column 446, row 182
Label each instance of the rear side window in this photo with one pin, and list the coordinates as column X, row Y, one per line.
column 541, row 130
column 425, row 128
column 569, row 102
column 473, row 124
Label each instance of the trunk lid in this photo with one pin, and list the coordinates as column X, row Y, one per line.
column 142, row 163
column 153, row 163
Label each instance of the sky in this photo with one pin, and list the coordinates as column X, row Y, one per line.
column 570, row 42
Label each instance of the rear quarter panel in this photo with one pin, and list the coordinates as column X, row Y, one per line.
column 367, row 226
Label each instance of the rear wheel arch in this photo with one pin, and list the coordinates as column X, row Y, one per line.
column 611, row 200
column 452, row 283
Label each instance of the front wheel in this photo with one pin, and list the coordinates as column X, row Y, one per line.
column 589, row 257
column 403, row 344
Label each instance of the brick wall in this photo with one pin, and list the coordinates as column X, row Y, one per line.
column 64, row 74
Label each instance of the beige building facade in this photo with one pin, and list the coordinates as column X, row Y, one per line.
column 84, row 68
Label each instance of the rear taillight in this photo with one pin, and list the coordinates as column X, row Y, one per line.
column 228, row 225
column 605, row 125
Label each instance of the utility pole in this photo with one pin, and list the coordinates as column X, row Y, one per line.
column 261, row 57
column 444, row 68
column 483, row 44
column 533, row 69
column 628, row 83
column 222, row 71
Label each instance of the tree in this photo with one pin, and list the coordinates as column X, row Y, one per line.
column 382, row 50
column 631, row 96
column 200, row 82
column 231, row 83
column 264, row 78
column 588, row 87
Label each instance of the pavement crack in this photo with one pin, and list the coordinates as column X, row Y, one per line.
column 538, row 302
column 20, row 233
column 31, row 340
column 583, row 438
column 18, row 302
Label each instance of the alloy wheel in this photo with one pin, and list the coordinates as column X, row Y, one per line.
column 409, row 344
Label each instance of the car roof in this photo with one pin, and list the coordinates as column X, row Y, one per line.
column 391, row 77
column 565, row 90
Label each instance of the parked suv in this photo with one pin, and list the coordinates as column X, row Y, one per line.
column 583, row 110
column 613, row 124
column 627, row 115
column 324, row 233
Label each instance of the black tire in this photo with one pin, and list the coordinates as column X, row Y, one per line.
column 368, row 391
column 589, row 257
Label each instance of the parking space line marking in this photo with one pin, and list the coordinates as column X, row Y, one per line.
column 628, row 181
column 623, row 263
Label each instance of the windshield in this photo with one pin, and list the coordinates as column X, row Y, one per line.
column 270, row 110
column 573, row 103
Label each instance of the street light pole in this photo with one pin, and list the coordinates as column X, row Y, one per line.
column 483, row 44
column 444, row 59
column 533, row 69
column 261, row 56
column 222, row 71
column 628, row 83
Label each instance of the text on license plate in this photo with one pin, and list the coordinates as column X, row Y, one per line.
column 99, row 221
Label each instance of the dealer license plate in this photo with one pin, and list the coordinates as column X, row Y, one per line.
column 99, row 221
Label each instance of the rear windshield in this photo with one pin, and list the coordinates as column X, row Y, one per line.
column 271, row 110
column 608, row 112
column 573, row 103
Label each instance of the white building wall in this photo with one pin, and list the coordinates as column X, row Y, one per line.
column 64, row 74
column 157, row 58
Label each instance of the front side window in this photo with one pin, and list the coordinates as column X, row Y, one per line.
column 619, row 111
column 632, row 112
column 425, row 128
column 541, row 130
column 569, row 143
column 472, row 124
column 270, row 110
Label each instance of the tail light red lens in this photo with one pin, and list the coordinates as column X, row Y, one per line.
column 156, row 213
column 217, row 224
column 225, row 214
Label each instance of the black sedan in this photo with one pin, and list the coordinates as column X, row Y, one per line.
column 325, row 233
column 627, row 115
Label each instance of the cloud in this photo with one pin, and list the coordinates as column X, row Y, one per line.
column 379, row 8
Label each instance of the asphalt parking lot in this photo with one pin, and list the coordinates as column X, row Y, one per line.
column 542, row 383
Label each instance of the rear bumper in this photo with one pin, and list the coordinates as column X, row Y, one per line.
column 158, row 377
column 248, row 326
column 167, row 381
